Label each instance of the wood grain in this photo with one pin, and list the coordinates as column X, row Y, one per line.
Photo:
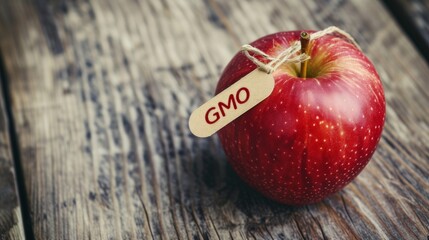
column 101, row 93
column 414, row 19
column 11, row 225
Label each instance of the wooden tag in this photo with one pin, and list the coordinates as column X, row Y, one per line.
column 231, row 103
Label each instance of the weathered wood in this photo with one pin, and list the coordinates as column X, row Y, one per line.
column 11, row 225
column 413, row 16
column 102, row 91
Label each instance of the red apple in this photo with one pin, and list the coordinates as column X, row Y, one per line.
column 311, row 136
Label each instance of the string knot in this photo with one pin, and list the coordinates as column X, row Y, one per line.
column 289, row 55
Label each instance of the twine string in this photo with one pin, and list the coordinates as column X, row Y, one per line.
column 289, row 55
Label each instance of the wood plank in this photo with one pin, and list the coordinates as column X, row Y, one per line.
column 11, row 225
column 102, row 91
column 413, row 17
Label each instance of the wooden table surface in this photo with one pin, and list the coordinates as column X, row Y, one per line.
column 95, row 98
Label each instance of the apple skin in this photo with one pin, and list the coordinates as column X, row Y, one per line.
column 312, row 136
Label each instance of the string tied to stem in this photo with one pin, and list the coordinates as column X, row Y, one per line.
column 290, row 54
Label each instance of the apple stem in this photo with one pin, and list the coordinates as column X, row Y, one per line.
column 305, row 40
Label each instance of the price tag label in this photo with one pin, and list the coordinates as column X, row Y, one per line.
column 231, row 103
